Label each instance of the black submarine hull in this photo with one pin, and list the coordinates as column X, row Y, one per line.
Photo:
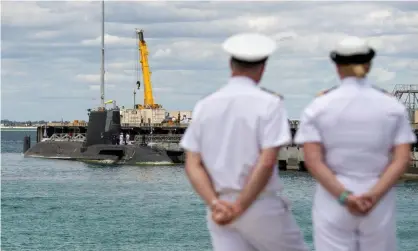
column 100, row 145
column 102, row 153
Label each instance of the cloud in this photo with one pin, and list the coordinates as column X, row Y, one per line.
column 97, row 87
column 51, row 50
column 382, row 75
column 110, row 40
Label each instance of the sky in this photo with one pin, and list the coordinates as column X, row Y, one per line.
column 50, row 51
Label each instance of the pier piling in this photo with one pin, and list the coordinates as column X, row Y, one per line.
column 26, row 143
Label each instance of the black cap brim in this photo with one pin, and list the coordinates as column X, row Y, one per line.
column 352, row 59
column 250, row 62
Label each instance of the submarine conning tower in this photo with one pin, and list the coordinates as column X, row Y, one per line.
column 103, row 126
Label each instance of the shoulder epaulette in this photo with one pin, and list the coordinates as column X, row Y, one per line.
column 382, row 90
column 327, row 91
column 272, row 92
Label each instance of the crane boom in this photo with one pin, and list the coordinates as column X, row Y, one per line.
column 146, row 73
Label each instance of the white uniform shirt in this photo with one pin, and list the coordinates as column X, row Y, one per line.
column 229, row 129
column 358, row 125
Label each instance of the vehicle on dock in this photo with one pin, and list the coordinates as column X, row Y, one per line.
column 291, row 157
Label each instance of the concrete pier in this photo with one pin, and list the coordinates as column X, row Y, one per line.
column 291, row 159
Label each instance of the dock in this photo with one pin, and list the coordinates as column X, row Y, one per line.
column 167, row 136
column 409, row 177
column 76, row 131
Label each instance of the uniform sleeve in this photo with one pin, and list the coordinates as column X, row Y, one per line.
column 274, row 128
column 191, row 137
column 307, row 131
column 404, row 133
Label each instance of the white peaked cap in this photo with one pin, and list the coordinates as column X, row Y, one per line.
column 249, row 47
column 351, row 46
column 352, row 50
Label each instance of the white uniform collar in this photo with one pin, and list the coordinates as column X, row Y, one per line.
column 354, row 80
column 242, row 80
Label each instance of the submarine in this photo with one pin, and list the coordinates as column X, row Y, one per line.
column 99, row 145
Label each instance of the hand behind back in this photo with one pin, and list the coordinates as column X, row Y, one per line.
column 224, row 212
column 361, row 205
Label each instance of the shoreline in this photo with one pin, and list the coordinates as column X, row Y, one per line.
column 18, row 128
column 407, row 177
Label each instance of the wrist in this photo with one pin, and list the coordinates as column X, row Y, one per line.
column 239, row 206
column 375, row 194
column 342, row 198
column 213, row 202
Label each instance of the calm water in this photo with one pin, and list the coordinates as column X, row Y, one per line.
column 63, row 205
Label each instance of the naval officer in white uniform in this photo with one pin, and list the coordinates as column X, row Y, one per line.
column 356, row 139
column 231, row 148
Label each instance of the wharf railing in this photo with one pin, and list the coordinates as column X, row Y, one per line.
column 123, row 125
column 157, row 125
column 170, row 146
column 147, row 138
column 166, row 138
column 293, row 124
column 79, row 137
column 63, row 124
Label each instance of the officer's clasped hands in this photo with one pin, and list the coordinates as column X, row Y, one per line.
column 224, row 212
column 360, row 205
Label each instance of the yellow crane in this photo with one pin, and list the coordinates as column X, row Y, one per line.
column 146, row 74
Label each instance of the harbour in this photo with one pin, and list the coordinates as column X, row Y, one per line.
column 50, row 204
column 167, row 137
column 148, row 133
column 115, row 179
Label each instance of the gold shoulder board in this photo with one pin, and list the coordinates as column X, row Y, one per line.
column 272, row 92
column 326, row 91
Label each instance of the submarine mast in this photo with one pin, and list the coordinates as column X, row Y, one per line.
column 102, row 71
